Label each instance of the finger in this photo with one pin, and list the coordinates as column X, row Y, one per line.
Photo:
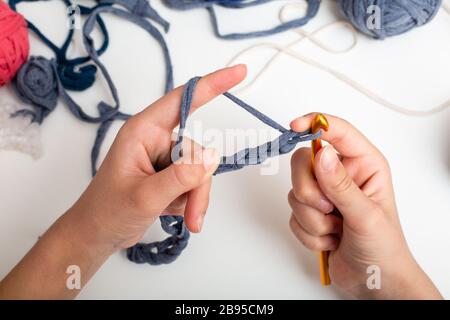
column 340, row 188
column 347, row 140
column 322, row 243
column 304, row 185
column 177, row 207
column 180, row 177
column 164, row 113
column 315, row 222
column 196, row 206
column 188, row 146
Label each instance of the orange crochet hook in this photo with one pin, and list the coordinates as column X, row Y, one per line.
column 320, row 123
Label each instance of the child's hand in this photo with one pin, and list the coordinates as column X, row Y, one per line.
column 368, row 233
column 137, row 182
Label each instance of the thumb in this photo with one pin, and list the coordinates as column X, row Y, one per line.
column 185, row 174
column 339, row 187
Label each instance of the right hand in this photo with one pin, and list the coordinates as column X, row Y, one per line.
column 358, row 183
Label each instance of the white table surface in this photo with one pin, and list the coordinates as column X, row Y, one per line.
column 246, row 249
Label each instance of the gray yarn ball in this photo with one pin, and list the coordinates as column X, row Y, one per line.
column 37, row 84
column 396, row 16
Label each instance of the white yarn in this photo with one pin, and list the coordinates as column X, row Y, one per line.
column 18, row 133
column 446, row 7
column 303, row 35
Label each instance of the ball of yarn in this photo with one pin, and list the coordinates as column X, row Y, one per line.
column 395, row 16
column 14, row 43
column 37, row 84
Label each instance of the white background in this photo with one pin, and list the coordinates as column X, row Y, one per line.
column 246, row 249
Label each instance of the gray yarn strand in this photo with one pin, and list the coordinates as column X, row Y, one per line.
column 312, row 9
column 159, row 252
column 140, row 8
column 107, row 111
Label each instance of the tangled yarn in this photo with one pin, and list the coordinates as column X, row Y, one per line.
column 74, row 74
column 311, row 11
column 107, row 113
column 42, row 80
column 169, row 249
column 140, row 8
column 14, row 43
column 192, row 4
column 396, row 16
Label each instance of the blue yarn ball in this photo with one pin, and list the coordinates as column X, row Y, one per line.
column 396, row 16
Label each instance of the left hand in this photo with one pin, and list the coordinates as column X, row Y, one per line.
column 137, row 181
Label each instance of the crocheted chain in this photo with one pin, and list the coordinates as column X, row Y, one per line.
column 168, row 250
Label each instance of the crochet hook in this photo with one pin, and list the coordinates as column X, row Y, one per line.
column 320, row 122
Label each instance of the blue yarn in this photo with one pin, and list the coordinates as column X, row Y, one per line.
column 193, row 4
column 107, row 113
column 168, row 250
column 312, row 9
column 72, row 74
column 397, row 16
column 39, row 75
column 140, row 8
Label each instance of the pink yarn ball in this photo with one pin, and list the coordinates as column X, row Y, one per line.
column 14, row 43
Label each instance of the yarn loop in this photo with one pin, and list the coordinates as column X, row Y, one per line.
column 311, row 11
column 165, row 251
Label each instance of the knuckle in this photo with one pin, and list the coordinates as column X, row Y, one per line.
column 178, row 205
column 298, row 156
column 319, row 228
column 314, row 244
column 131, row 125
column 187, row 175
column 344, row 184
column 308, row 241
column 304, row 195
column 291, row 198
column 293, row 224
column 314, row 223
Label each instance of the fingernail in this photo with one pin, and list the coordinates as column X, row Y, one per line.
column 325, row 206
column 210, row 159
column 200, row 220
column 328, row 159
